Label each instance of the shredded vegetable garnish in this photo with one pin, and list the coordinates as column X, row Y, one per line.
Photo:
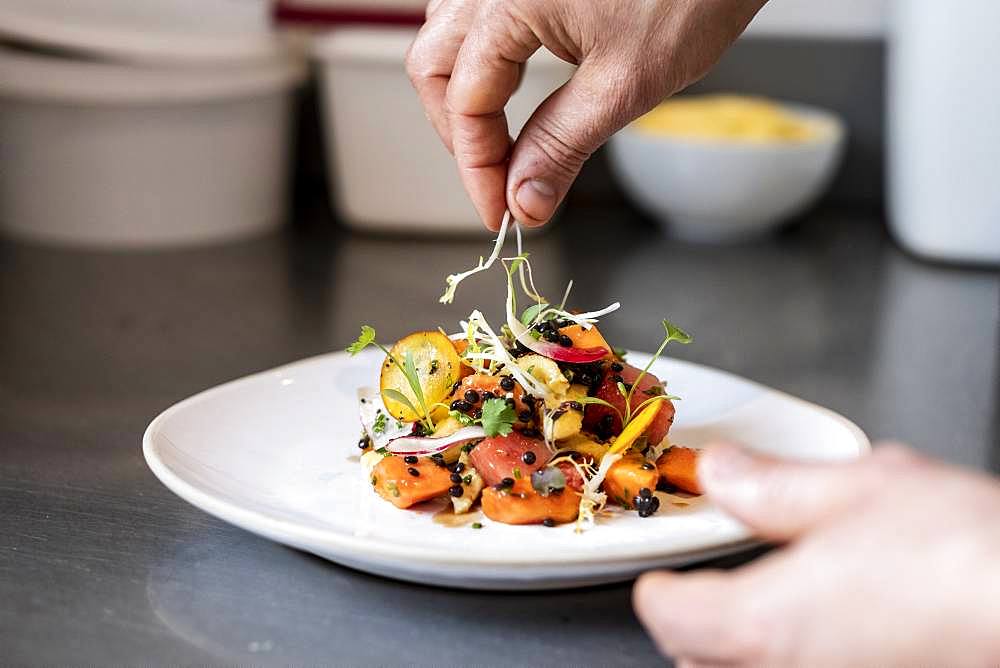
column 592, row 500
column 453, row 280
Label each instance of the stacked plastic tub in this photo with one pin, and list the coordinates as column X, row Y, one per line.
column 143, row 124
column 388, row 170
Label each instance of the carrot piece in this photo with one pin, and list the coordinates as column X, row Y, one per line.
column 679, row 467
column 627, row 476
column 395, row 483
column 521, row 504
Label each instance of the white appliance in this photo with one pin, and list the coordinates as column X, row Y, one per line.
column 944, row 129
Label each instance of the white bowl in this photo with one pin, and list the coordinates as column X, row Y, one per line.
column 720, row 190
column 388, row 169
column 117, row 156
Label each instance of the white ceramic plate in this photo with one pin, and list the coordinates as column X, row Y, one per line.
column 275, row 453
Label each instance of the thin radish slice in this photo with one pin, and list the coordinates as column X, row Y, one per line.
column 426, row 445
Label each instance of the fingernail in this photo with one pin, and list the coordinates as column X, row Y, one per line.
column 537, row 198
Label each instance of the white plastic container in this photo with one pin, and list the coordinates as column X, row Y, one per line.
column 389, row 170
column 944, row 129
column 146, row 31
column 117, row 156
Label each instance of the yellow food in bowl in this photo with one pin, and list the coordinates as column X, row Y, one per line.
column 726, row 118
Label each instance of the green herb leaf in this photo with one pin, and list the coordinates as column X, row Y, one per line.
column 396, row 395
column 675, row 333
column 599, row 402
column 517, row 473
column 477, row 525
column 379, row 426
column 498, row 417
column 531, row 313
column 413, row 379
column 653, row 391
column 366, row 338
column 461, row 417
column 620, row 353
column 548, row 480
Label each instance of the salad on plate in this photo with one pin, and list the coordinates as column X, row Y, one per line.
column 539, row 421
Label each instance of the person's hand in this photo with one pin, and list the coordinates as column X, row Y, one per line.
column 890, row 560
column 467, row 61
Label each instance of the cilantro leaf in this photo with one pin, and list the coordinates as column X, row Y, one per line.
column 461, row 417
column 366, row 339
column 498, row 417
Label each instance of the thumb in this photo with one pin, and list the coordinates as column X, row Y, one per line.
column 559, row 137
column 781, row 499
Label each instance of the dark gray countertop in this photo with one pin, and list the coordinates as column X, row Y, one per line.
column 99, row 563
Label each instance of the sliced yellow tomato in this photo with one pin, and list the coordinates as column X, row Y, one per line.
column 437, row 367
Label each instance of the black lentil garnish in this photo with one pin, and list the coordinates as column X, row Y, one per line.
column 363, row 400
column 565, row 341
column 507, row 383
column 454, row 388
column 460, row 405
column 647, row 467
column 477, row 414
column 419, row 429
column 616, row 367
column 507, row 482
column 618, row 378
column 645, row 503
column 456, row 478
column 413, row 472
column 438, row 459
column 456, row 490
column 434, row 367
column 524, row 416
column 551, row 336
column 487, row 395
column 549, row 522
column 458, row 468
column 528, row 457
column 529, row 400
column 410, row 459
column 472, row 396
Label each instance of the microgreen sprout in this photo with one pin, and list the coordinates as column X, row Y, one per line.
column 409, row 369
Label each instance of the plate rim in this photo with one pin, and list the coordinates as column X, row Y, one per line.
column 312, row 538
